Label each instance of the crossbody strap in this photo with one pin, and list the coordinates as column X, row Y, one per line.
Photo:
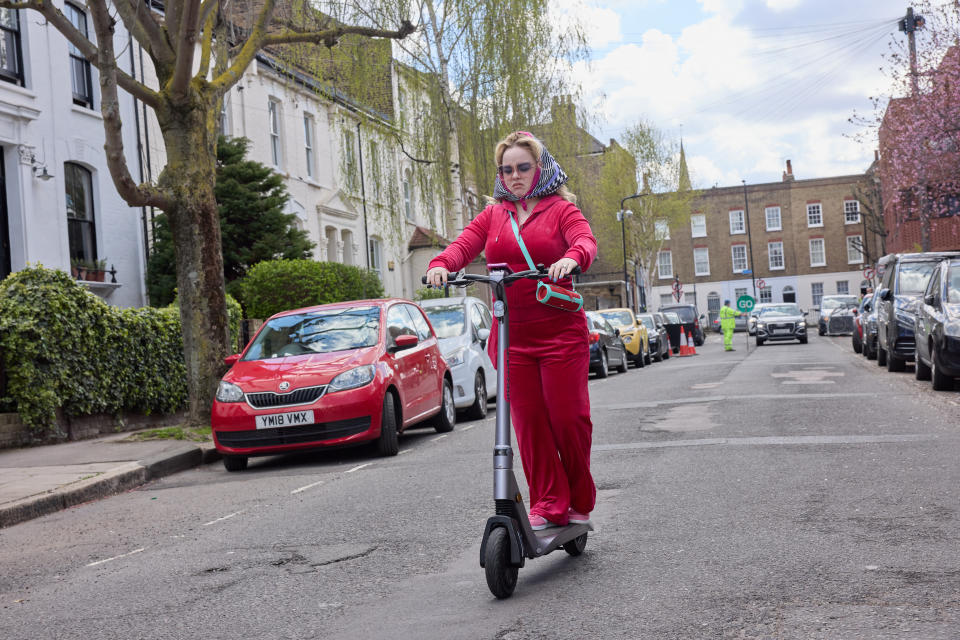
column 523, row 247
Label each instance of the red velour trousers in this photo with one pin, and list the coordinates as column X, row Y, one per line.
column 549, row 357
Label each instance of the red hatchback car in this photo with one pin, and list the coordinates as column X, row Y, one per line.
column 335, row 374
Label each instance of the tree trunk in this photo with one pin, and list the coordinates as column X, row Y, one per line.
column 190, row 175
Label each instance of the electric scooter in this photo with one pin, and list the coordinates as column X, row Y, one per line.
column 508, row 539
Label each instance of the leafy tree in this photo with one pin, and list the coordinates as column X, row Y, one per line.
column 198, row 54
column 251, row 198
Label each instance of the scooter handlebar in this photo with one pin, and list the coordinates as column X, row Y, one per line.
column 464, row 279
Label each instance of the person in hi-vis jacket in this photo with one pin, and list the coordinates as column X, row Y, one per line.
column 727, row 324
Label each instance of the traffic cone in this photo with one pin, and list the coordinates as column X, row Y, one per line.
column 684, row 348
column 691, row 344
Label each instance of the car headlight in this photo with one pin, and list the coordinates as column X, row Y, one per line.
column 627, row 338
column 455, row 358
column 352, row 378
column 229, row 392
column 952, row 329
column 802, row 324
column 825, row 318
column 762, row 326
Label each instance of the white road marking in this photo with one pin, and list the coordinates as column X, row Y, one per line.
column 309, row 486
column 467, row 428
column 404, row 451
column 768, row 440
column 93, row 564
column 235, row 513
column 359, row 466
column 438, row 438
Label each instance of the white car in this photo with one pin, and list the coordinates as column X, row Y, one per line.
column 463, row 326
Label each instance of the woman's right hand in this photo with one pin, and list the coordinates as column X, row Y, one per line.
column 437, row 276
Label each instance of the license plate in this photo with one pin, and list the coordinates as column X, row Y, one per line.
column 781, row 331
column 274, row 420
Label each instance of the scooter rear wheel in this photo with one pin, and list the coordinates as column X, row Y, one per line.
column 501, row 575
column 576, row 546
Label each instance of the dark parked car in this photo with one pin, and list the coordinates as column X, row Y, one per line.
column 836, row 314
column 605, row 346
column 674, row 327
column 690, row 319
column 656, row 337
column 856, row 338
column 905, row 278
column 664, row 335
column 781, row 322
column 938, row 327
column 869, row 322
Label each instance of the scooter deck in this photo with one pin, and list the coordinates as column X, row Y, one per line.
column 550, row 539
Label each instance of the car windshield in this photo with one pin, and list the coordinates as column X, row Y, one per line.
column 780, row 310
column 671, row 317
column 647, row 322
column 320, row 331
column 686, row 314
column 953, row 284
column 618, row 318
column 914, row 276
column 839, row 302
column 447, row 320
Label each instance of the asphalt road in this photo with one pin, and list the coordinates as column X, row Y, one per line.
column 790, row 491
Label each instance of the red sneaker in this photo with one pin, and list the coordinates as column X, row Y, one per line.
column 538, row 523
column 578, row 518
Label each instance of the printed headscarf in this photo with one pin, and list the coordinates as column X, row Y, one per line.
column 549, row 177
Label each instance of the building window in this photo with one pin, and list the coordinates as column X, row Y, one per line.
column 11, row 55
column 308, row 130
column 401, row 106
column 375, row 256
column 736, row 223
column 665, row 264
column 276, row 142
column 816, row 291
column 739, row 253
column 701, row 261
column 843, row 287
column 350, row 160
column 698, row 226
column 407, row 195
column 789, row 295
column 851, row 211
column 766, row 294
column 81, row 221
column 374, row 163
column 775, row 255
column 818, row 256
column 737, row 293
column 773, row 218
column 814, row 215
column 661, row 230
column 854, row 249
column 79, row 66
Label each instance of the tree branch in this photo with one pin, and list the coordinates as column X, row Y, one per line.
column 206, row 48
column 185, row 47
column 248, row 50
column 329, row 37
column 135, row 195
column 139, row 20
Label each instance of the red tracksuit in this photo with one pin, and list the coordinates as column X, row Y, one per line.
column 549, row 357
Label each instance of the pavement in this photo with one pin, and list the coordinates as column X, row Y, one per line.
column 36, row 481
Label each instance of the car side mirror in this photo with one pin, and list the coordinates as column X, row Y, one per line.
column 616, row 332
column 405, row 342
column 815, row 307
column 885, row 294
column 231, row 360
column 483, row 334
column 930, row 299
column 868, row 307
column 805, row 313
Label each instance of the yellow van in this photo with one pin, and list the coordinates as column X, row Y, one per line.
column 632, row 332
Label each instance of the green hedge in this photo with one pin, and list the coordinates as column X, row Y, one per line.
column 273, row 286
column 64, row 348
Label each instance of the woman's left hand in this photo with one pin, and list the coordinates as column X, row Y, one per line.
column 561, row 268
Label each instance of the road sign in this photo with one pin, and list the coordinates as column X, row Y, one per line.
column 745, row 303
column 761, row 284
column 677, row 286
column 868, row 273
column 746, row 272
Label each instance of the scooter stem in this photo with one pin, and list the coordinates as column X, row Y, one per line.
column 504, row 483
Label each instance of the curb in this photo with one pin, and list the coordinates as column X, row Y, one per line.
column 123, row 478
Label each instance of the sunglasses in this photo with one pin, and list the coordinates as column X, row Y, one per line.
column 523, row 167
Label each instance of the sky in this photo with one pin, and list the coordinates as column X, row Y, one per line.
column 746, row 84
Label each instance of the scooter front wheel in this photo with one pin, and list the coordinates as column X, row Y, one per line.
column 501, row 575
column 576, row 546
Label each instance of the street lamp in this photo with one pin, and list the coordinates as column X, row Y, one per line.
column 622, row 217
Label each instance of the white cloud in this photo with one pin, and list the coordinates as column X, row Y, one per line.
column 782, row 5
column 600, row 25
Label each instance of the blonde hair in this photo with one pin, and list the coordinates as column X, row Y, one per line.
column 535, row 148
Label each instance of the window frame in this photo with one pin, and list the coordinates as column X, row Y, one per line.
column 742, row 225
column 846, row 287
column 817, row 298
column 13, row 32
column 696, row 269
column 373, row 254
column 660, row 274
column 694, row 233
column 351, row 177
column 661, row 229
column 770, row 255
column 859, row 249
column 275, row 131
column 823, row 250
column 83, row 227
column 309, row 143
column 80, row 67
column 766, row 216
column 733, row 257
column 819, row 214
column 846, row 212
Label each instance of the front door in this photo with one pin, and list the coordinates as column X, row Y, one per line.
column 5, row 267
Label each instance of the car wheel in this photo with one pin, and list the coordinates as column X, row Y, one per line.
column 857, row 347
column 760, row 342
column 657, row 357
column 803, row 340
column 234, row 463
column 478, row 410
column 939, row 381
column 921, row 371
column 447, row 418
column 388, row 444
column 895, row 364
column 821, row 331
column 881, row 356
column 648, row 358
column 604, row 369
column 666, row 354
column 624, row 362
column 869, row 351
column 638, row 360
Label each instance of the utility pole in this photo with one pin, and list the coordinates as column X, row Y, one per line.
column 622, row 216
column 909, row 25
column 746, row 211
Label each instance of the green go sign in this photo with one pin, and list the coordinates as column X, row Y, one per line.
column 745, row 303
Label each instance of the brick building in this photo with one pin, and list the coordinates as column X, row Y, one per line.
column 807, row 239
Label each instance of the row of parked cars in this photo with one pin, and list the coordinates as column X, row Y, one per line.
column 914, row 315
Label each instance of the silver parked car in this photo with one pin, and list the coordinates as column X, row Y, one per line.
column 463, row 327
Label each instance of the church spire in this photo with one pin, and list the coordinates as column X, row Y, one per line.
column 683, row 183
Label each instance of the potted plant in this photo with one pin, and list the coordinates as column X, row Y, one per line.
column 97, row 270
column 78, row 269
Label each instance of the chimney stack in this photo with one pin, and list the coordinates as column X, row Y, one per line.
column 788, row 174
